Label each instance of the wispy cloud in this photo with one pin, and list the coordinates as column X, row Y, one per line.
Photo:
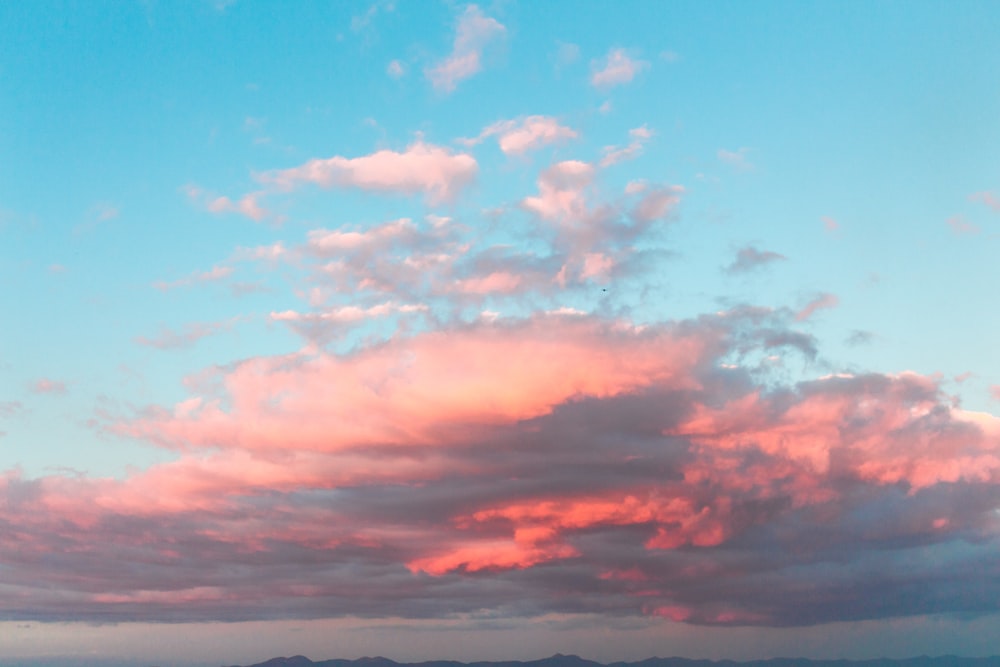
column 475, row 31
column 615, row 154
column 215, row 274
column 750, row 258
column 187, row 336
column 11, row 408
column 616, row 69
column 737, row 159
column 48, row 386
column 819, row 303
column 987, row 197
column 962, row 227
column 326, row 325
column 567, row 54
column 395, row 69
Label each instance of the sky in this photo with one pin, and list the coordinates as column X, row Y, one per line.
column 489, row 331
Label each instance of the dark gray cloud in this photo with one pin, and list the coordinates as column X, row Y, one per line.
column 681, row 485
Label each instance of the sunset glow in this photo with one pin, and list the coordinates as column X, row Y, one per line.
column 440, row 330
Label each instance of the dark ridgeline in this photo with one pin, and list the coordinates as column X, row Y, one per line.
column 560, row 660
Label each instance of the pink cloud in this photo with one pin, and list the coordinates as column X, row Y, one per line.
column 436, row 172
column 492, row 555
column 267, row 253
column 552, row 458
column 474, row 33
column 248, row 205
column 502, row 282
column 11, row 408
column 48, row 386
column 875, row 445
column 597, row 266
column 995, row 392
column 988, row 198
column 337, row 241
column 561, row 189
column 616, row 69
column 960, row 226
column 819, row 303
column 516, row 137
column 584, row 226
column 614, row 154
column 736, row 159
column 168, row 339
column 395, row 69
column 656, row 203
column 830, row 225
column 215, row 274
column 325, row 325
column 559, row 357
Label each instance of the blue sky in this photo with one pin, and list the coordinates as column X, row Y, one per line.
column 256, row 256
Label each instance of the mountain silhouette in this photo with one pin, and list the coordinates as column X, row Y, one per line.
column 560, row 660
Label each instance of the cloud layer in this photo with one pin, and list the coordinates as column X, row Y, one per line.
column 555, row 463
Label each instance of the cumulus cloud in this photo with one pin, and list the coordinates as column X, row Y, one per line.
column 750, row 258
column 616, row 69
column 249, row 205
column 436, row 172
column 558, row 463
column 519, row 136
column 561, row 191
column 596, row 238
column 475, row 31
